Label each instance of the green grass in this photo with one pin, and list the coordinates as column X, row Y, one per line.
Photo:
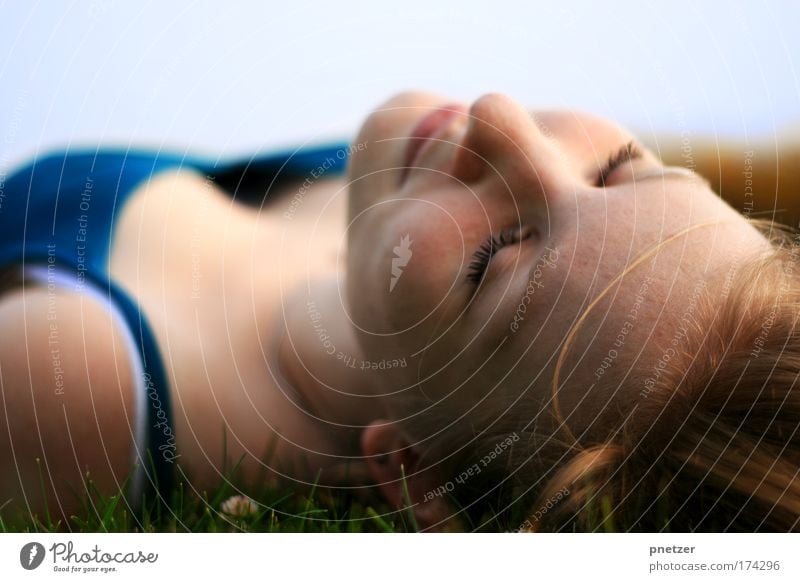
column 277, row 511
column 306, row 510
column 313, row 510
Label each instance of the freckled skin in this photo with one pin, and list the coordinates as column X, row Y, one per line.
column 502, row 167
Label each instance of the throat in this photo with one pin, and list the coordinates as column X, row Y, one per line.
column 319, row 356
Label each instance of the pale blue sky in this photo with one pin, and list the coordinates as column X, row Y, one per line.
column 227, row 77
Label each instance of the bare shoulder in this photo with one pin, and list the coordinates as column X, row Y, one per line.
column 67, row 387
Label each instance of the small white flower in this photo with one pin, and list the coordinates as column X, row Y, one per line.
column 239, row 506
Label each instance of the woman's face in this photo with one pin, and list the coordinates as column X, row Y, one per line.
column 437, row 187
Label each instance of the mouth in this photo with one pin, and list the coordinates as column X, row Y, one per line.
column 428, row 128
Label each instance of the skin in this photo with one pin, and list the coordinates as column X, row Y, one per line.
column 266, row 377
column 498, row 167
column 501, row 167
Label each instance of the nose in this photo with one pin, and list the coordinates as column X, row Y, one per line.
column 503, row 142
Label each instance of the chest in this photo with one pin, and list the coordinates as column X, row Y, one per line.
column 210, row 274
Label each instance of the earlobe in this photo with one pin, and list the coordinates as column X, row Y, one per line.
column 385, row 451
column 393, row 464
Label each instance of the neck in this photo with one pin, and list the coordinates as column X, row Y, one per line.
column 321, row 359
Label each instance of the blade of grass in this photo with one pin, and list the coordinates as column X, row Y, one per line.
column 309, row 500
column 407, row 500
column 108, row 513
column 608, row 514
column 379, row 521
column 44, row 495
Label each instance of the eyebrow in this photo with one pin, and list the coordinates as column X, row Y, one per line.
column 672, row 172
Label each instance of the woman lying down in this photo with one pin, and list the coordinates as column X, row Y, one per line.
column 486, row 317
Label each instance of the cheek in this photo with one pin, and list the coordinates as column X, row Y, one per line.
column 407, row 278
column 428, row 281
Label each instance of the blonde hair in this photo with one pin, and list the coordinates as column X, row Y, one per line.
column 714, row 444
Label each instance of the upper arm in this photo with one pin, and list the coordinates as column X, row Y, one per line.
column 67, row 397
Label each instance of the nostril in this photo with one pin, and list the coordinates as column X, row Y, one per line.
column 479, row 148
column 490, row 134
column 468, row 164
column 504, row 141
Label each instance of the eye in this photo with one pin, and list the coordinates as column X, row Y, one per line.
column 483, row 256
column 626, row 153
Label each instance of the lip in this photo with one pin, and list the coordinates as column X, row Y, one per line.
column 427, row 128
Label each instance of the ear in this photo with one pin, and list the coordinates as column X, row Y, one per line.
column 392, row 462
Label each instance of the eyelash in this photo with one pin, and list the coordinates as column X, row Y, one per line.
column 626, row 153
column 489, row 247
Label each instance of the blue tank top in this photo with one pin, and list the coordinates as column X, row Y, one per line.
column 58, row 213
